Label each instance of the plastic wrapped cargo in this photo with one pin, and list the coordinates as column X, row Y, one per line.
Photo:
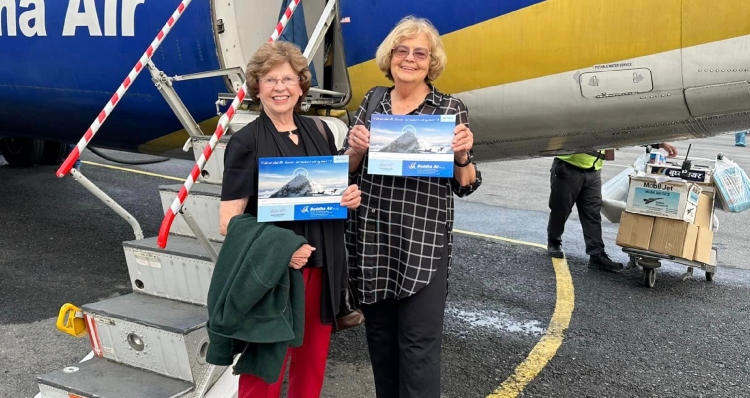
column 733, row 186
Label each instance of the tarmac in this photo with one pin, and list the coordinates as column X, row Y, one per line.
column 513, row 319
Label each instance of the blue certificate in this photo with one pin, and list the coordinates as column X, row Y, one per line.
column 411, row 145
column 302, row 188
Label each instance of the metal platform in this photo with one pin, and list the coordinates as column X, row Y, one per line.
column 100, row 378
column 203, row 204
column 182, row 271
column 650, row 261
column 151, row 311
column 152, row 333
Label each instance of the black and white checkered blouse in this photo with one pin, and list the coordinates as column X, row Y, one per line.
column 398, row 235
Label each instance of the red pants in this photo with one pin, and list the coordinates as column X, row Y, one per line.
column 308, row 365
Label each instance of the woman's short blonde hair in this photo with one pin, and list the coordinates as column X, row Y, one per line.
column 271, row 55
column 409, row 28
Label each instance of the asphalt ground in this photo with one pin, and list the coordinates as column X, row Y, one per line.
column 680, row 339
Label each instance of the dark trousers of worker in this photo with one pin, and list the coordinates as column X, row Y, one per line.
column 583, row 188
column 307, row 367
column 404, row 338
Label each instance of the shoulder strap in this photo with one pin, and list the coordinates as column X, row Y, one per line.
column 377, row 95
column 322, row 129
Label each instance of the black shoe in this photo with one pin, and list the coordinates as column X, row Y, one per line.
column 604, row 263
column 555, row 251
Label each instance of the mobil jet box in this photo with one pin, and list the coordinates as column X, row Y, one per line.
column 663, row 197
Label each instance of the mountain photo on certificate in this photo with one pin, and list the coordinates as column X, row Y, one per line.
column 411, row 134
column 302, row 180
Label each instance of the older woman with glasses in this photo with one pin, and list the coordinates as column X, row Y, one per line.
column 278, row 77
column 399, row 241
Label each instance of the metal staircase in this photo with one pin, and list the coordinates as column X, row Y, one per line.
column 152, row 343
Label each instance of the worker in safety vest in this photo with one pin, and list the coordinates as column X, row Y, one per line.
column 576, row 180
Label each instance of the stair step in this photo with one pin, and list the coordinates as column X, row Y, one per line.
column 100, row 378
column 182, row 271
column 213, row 171
column 164, row 336
column 203, row 204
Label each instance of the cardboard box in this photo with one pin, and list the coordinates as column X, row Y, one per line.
column 704, row 210
column 703, row 245
column 635, row 231
column 663, row 197
column 674, row 237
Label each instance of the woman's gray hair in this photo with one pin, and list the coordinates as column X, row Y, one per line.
column 409, row 28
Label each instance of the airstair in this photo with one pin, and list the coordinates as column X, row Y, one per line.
column 152, row 343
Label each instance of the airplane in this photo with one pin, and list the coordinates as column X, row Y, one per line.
column 539, row 77
column 651, row 200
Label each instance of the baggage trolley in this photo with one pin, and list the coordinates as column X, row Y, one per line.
column 650, row 261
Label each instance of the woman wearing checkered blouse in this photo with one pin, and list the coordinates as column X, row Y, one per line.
column 399, row 240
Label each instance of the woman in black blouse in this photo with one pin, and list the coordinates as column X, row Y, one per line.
column 399, row 240
column 278, row 77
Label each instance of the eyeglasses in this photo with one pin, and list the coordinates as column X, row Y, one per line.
column 288, row 81
column 420, row 53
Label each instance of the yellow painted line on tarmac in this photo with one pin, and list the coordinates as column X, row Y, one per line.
column 519, row 242
column 548, row 345
column 134, row 171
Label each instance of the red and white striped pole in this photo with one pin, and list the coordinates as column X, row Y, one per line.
column 104, row 114
column 171, row 213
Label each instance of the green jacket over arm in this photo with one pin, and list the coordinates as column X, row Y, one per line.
column 256, row 302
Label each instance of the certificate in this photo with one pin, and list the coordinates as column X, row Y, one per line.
column 411, row 145
column 302, row 188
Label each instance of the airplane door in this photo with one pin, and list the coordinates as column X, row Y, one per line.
column 716, row 64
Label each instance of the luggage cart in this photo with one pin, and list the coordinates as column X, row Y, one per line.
column 650, row 261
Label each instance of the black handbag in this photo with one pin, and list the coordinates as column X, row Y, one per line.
column 349, row 314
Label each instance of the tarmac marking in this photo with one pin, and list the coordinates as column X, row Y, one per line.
column 548, row 345
column 133, row 171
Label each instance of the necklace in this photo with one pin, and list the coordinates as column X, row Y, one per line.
column 291, row 132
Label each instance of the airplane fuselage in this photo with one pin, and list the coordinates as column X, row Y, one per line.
column 538, row 76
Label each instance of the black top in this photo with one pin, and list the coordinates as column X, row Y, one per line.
column 402, row 231
column 260, row 139
column 237, row 158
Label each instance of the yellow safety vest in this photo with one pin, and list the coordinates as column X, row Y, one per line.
column 584, row 160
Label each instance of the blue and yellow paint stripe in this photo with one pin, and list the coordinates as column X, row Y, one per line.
column 496, row 43
column 556, row 36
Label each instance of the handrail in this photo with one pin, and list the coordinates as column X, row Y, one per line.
column 78, row 176
column 104, row 114
column 171, row 213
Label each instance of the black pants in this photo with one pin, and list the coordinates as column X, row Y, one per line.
column 571, row 185
column 404, row 338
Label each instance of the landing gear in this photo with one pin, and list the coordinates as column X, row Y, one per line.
column 54, row 153
column 26, row 152
column 21, row 152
